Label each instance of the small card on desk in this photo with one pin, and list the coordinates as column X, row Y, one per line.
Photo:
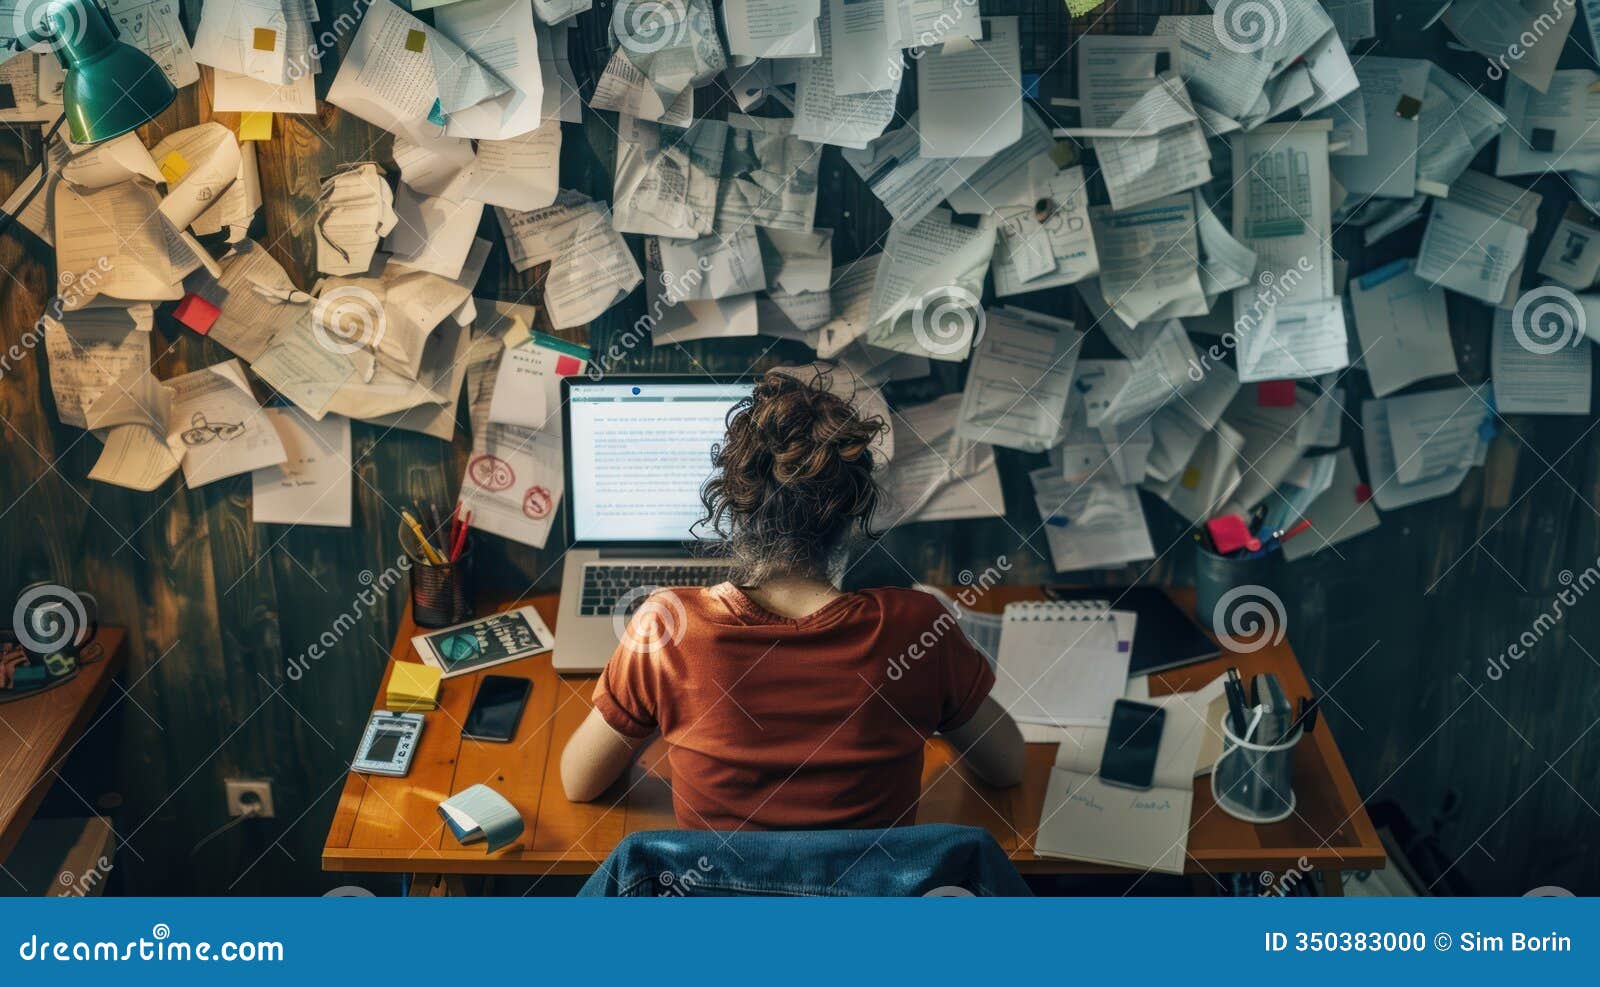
column 484, row 642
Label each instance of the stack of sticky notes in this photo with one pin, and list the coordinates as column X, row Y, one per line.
column 413, row 688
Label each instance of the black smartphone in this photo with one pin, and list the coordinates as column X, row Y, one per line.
column 1131, row 744
column 497, row 708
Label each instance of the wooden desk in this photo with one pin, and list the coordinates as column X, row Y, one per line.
column 37, row 732
column 391, row 824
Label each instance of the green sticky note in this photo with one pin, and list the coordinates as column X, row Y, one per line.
column 415, row 40
column 1081, row 7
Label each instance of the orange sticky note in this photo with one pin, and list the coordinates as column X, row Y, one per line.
column 255, row 125
column 265, row 39
column 415, row 40
column 173, row 167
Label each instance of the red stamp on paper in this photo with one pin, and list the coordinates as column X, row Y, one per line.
column 491, row 472
column 536, row 503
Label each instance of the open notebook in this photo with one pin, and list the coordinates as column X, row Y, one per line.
column 1086, row 819
column 1063, row 663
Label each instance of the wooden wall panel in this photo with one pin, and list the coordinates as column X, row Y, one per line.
column 1397, row 625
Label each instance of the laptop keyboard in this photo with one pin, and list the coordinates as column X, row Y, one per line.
column 604, row 585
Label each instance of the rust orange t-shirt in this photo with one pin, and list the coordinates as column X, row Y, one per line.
column 772, row 722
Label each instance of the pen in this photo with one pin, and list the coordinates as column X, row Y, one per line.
column 427, row 549
column 461, row 537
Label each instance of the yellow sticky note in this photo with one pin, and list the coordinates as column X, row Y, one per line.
column 415, row 40
column 1191, row 478
column 1081, row 7
column 173, row 167
column 266, row 39
column 255, row 126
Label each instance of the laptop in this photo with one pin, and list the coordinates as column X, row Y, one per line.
column 638, row 450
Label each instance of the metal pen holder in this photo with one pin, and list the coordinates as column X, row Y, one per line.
column 1255, row 782
column 441, row 595
column 1222, row 583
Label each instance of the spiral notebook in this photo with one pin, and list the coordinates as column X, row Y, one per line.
column 1063, row 663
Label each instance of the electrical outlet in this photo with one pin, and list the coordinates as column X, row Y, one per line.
column 245, row 794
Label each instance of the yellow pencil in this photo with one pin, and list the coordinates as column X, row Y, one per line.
column 416, row 529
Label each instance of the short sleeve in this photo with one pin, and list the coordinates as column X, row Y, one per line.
column 965, row 679
column 625, row 696
column 628, row 695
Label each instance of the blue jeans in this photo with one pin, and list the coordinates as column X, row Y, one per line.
column 905, row 861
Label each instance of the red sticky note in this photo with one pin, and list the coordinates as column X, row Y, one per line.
column 197, row 313
column 566, row 366
column 1275, row 394
column 1363, row 493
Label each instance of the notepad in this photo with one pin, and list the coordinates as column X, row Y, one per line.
column 480, row 813
column 1085, row 818
column 1063, row 663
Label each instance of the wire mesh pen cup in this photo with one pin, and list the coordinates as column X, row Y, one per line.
column 1255, row 782
column 441, row 595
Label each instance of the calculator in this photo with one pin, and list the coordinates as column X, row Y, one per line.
column 389, row 744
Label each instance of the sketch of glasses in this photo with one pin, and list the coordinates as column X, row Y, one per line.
column 201, row 431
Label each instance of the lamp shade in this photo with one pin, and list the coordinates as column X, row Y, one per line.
column 111, row 87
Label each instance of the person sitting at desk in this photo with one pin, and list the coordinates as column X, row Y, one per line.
column 784, row 702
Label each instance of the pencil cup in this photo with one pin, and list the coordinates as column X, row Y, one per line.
column 441, row 595
column 1228, row 591
column 1254, row 782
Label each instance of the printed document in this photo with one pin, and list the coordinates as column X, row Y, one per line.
column 1021, row 376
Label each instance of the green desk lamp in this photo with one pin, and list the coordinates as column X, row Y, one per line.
column 111, row 87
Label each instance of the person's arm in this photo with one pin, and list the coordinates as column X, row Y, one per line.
column 991, row 745
column 595, row 756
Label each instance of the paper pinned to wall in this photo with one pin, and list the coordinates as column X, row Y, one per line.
column 314, row 483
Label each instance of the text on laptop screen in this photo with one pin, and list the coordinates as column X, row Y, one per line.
column 640, row 454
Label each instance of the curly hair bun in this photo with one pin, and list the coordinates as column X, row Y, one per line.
column 793, row 475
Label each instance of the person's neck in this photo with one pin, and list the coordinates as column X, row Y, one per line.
column 792, row 595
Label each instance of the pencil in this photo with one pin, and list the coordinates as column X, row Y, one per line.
column 416, row 529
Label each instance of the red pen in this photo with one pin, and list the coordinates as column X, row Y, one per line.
column 1302, row 526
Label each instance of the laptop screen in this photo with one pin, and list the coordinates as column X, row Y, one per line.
column 639, row 453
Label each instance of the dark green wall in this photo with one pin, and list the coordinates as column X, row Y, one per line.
column 1396, row 626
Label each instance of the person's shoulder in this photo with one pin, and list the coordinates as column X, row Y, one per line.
column 898, row 601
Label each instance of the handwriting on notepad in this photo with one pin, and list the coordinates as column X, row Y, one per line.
column 1087, row 801
column 1156, row 805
